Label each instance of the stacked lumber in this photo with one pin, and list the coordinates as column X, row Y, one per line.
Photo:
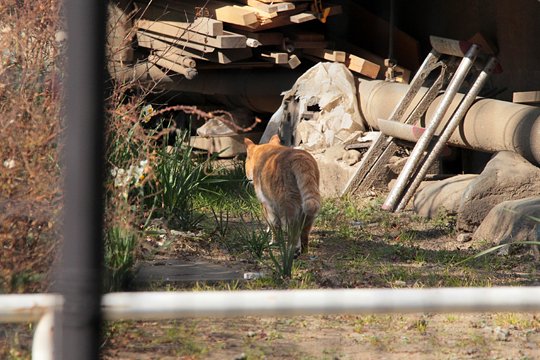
column 188, row 36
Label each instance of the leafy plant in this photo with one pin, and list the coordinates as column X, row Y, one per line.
column 285, row 240
column 179, row 178
column 119, row 257
column 254, row 239
column 221, row 214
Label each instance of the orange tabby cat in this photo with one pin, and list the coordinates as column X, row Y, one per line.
column 286, row 182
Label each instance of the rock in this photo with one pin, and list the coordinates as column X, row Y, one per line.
column 334, row 174
column 464, row 237
column 506, row 176
column 351, row 157
column 443, row 195
column 396, row 164
column 501, row 334
column 334, row 153
column 241, row 356
column 513, row 220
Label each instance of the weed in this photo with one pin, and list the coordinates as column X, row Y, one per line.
column 421, row 326
column 221, row 218
column 519, row 321
column 179, row 178
column 498, row 247
column 444, row 220
column 254, row 239
column 378, row 342
column 119, row 257
column 285, row 240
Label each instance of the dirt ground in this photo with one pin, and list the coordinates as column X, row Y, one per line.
column 381, row 251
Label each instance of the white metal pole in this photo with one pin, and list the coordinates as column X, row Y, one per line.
column 43, row 341
column 169, row 305
column 27, row 307
column 451, row 126
column 417, row 153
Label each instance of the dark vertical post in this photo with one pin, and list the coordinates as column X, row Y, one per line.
column 391, row 24
column 79, row 273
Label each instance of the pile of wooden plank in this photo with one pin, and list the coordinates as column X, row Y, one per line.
column 187, row 36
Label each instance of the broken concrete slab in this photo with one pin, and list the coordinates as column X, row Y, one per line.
column 334, row 174
column 507, row 176
column 330, row 89
column 173, row 270
column 509, row 221
column 443, row 195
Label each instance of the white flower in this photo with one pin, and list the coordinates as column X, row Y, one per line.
column 132, row 176
column 10, row 163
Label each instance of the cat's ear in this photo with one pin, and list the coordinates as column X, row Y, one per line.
column 248, row 143
column 275, row 140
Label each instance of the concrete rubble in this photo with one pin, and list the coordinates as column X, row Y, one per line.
column 323, row 120
column 510, row 221
column 327, row 114
column 500, row 205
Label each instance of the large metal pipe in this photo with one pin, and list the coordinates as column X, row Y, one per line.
column 489, row 125
column 259, row 91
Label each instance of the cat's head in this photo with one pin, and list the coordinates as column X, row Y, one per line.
column 251, row 158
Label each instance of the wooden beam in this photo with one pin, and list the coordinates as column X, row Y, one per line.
column 237, row 15
column 147, row 40
column 294, row 61
column 225, row 41
column 269, row 8
column 183, row 60
column 283, row 19
column 189, row 73
column 527, row 97
column 330, row 55
column 277, row 58
column 302, row 17
column 204, row 26
column 222, row 56
column 362, row 66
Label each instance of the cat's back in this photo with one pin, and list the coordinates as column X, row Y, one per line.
column 285, row 160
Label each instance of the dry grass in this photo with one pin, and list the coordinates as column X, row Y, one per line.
column 31, row 73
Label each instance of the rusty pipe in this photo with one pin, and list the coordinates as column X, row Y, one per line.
column 490, row 125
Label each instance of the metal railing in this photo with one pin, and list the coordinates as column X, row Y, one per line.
column 75, row 313
column 174, row 305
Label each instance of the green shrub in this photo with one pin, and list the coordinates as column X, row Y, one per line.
column 179, row 178
column 119, row 251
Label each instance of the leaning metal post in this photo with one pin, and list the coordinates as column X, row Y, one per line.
column 423, row 142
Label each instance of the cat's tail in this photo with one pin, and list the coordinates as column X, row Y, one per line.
column 307, row 179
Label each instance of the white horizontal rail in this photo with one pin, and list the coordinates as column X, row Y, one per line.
column 171, row 305
column 166, row 305
column 27, row 307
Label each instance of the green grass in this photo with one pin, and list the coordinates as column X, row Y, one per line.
column 120, row 246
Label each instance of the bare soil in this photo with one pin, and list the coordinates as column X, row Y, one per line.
column 383, row 251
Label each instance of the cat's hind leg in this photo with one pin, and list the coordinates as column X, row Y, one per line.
column 273, row 222
column 304, row 236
